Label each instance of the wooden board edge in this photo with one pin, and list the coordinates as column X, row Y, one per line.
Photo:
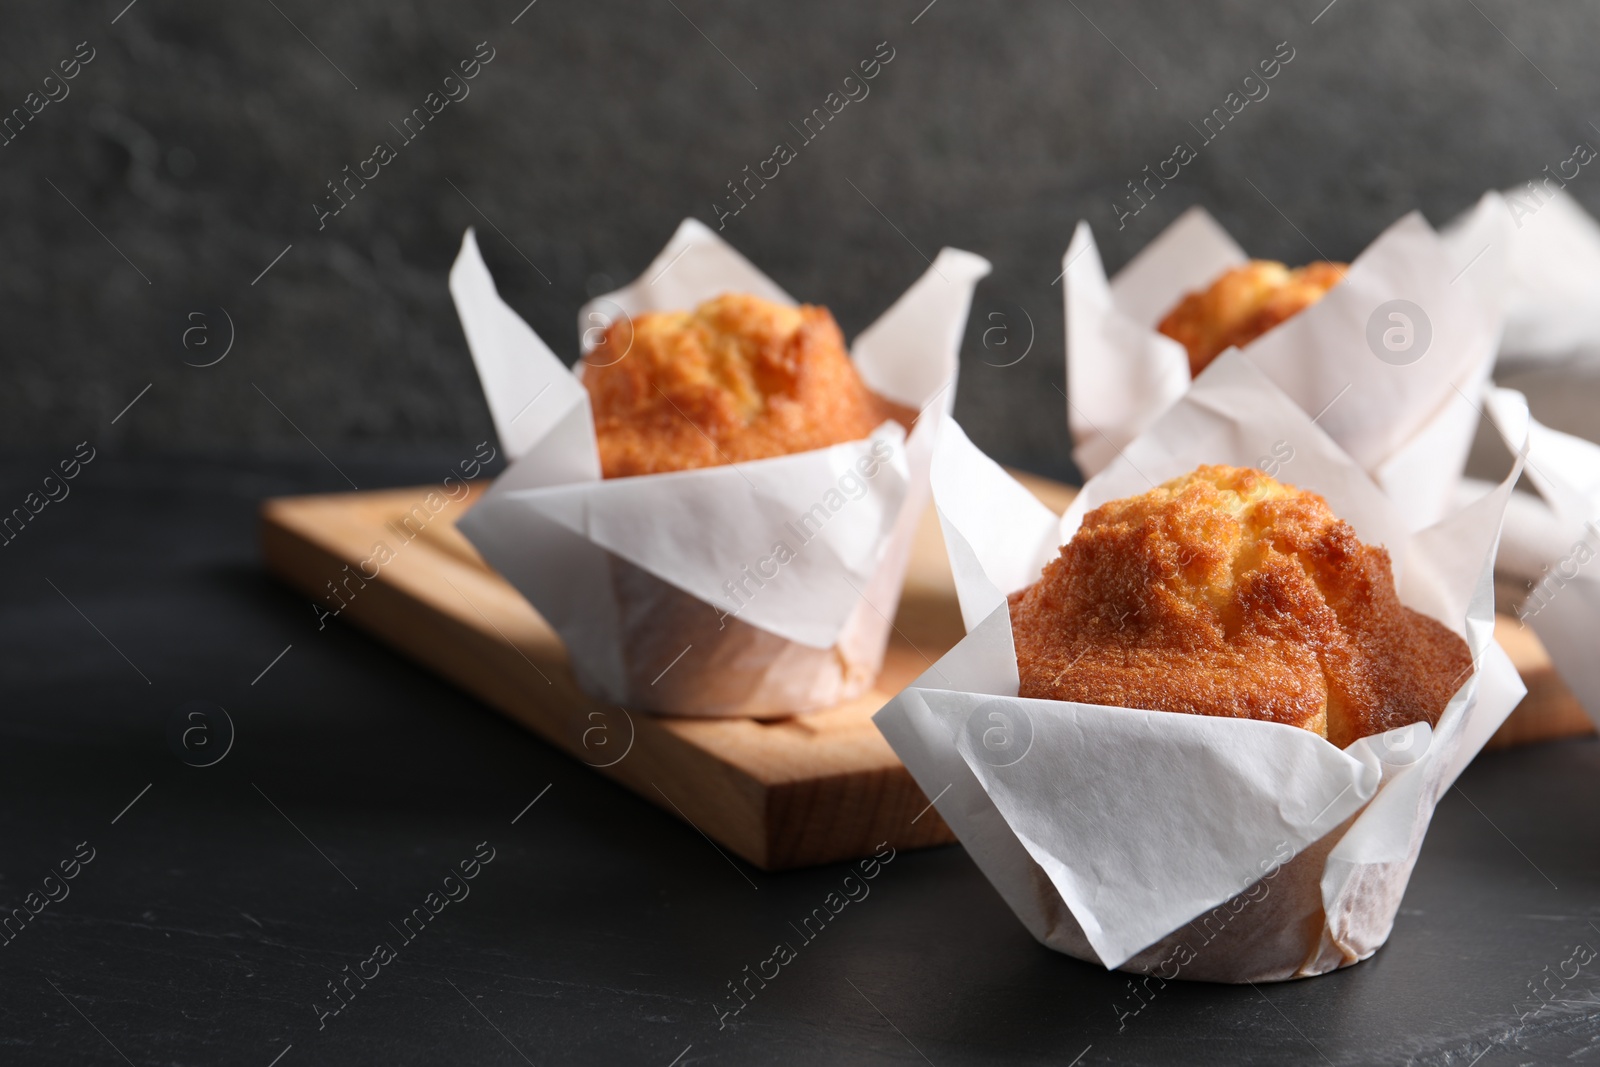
column 890, row 809
column 1550, row 711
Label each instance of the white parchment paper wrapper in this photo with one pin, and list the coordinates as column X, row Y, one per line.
column 1402, row 423
column 639, row 575
column 1563, row 606
column 1551, row 351
column 1551, row 276
column 1550, row 348
column 1182, row 845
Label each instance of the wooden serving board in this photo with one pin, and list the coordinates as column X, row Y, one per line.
column 786, row 793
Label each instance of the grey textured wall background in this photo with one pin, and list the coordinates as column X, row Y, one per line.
column 199, row 137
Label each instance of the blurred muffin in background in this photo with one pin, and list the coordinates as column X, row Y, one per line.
column 1243, row 304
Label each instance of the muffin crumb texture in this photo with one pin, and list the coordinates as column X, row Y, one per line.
column 1226, row 592
column 736, row 379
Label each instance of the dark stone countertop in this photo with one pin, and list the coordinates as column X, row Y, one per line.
column 220, row 904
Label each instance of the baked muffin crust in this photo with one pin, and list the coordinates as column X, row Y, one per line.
column 1226, row 592
column 1243, row 304
column 736, row 379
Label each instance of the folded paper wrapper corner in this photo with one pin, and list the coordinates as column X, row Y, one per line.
column 659, row 585
column 1272, row 854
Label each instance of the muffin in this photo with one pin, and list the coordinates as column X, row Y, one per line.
column 736, row 379
column 761, row 590
column 1243, row 304
column 1226, row 592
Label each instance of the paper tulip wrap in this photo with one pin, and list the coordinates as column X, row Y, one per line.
column 1563, row 602
column 1551, row 351
column 1384, row 386
column 668, row 589
column 1191, row 846
column 1552, row 269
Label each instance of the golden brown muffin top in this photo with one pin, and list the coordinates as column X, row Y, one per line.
column 736, row 379
column 1243, row 304
column 1226, row 592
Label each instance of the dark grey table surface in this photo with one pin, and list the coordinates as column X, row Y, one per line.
column 221, row 903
